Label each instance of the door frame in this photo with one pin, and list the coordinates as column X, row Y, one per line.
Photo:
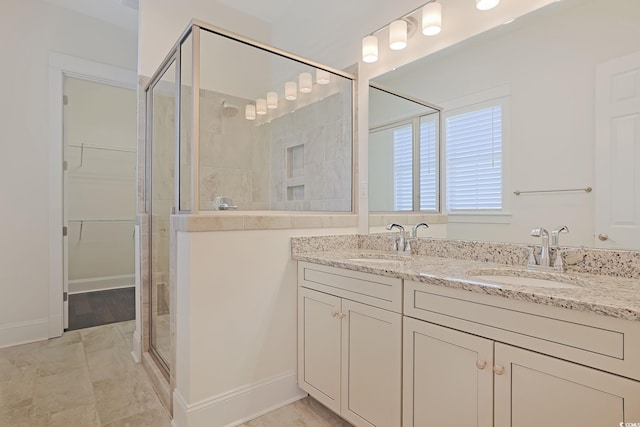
column 61, row 65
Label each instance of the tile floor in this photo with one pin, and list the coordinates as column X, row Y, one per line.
column 87, row 378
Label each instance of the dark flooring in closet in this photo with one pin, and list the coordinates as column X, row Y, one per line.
column 101, row 307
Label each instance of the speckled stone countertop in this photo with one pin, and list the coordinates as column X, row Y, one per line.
column 615, row 292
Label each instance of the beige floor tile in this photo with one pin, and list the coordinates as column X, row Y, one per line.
column 62, row 391
column 102, row 337
column 110, row 363
column 123, row 397
column 59, row 358
column 157, row 418
column 303, row 413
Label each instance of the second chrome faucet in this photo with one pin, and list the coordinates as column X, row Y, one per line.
column 545, row 258
column 401, row 244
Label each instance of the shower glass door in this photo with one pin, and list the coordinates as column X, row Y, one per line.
column 163, row 136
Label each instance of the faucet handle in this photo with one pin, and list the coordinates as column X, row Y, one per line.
column 539, row 232
column 558, row 264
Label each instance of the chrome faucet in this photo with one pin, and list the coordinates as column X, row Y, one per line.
column 544, row 253
column 399, row 244
column 555, row 234
column 414, row 230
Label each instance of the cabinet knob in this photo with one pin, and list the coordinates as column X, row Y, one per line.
column 335, row 314
column 498, row 370
column 603, row 236
column 481, row 364
column 341, row 315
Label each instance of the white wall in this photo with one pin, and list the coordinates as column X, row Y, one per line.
column 549, row 67
column 29, row 29
column 236, row 324
column 163, row 21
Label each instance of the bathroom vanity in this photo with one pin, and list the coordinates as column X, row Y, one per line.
column 414, row 340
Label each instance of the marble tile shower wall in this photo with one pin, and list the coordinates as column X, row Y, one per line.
column 321, row 134
column 234, row 158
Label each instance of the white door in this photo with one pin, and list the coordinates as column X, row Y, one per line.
column 617, row 154
column 532, row 390
column 319, row 346
column 448, row 377
column 371, row 365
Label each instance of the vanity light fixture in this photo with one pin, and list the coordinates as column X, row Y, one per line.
column 261, row 106
column 398, row 34
column 290, row 91
column 431, row 18
column 370, row 49
column 250, row 112
column 322, row 77
column 272, row 100
column 486, row 4
column 305, row 82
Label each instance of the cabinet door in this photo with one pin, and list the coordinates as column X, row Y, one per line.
column 448, row 378
column 371, row 365
column 534, row 390
column 319, row 346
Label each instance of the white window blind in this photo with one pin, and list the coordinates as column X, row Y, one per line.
column 428, row 164
column 474, row 159
column 402, row 168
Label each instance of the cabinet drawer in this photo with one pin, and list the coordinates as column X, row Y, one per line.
column 371, row 289
column 593, row 340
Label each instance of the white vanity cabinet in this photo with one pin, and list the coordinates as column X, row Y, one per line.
column 349, row 343
column 459, row 371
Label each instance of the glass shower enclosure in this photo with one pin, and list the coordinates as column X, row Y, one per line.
column 233, row 124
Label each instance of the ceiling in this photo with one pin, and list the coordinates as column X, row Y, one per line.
column 328, row 31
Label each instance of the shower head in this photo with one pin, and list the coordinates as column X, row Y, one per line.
column 228, row 109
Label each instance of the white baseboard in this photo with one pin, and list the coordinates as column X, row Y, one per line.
column 237, row 406
column 24, row 332
column 101, row 283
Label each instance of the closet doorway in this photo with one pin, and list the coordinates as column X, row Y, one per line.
column 99, row 134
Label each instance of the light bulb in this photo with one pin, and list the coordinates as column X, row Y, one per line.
column 261, row 106
column 431, row 18
column 322, row 77
column 305, row 82
column 272, row 100
column 398, row 35
column 250, row 112
column 486, row 4
column 370, row 49
column 290, row 91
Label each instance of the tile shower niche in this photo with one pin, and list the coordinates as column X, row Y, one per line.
column 295, row 173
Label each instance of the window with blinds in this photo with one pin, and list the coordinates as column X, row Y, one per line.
column 473, row 148
column 403, row 168
column 426, row 170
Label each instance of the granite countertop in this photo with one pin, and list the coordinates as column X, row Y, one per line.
column 606, row 295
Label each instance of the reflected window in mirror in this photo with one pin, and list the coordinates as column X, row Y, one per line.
column 402, row 131
column 473, row 141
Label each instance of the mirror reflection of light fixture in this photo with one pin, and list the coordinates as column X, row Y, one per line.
column 398, row 34
column 272, row 100
column 261, row 106
column 290, row 91
column 486, row 4
column 250, row 112
column 370, row 49
column 305, row 82
column 322, row 77
column 431, row 18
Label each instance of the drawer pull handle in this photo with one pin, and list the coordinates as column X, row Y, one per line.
column 481, row 364
column 499, row 370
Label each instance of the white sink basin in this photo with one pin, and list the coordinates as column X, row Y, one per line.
column 526, row 278
column 375, row 260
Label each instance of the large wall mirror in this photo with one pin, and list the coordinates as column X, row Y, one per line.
column 539, row 81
